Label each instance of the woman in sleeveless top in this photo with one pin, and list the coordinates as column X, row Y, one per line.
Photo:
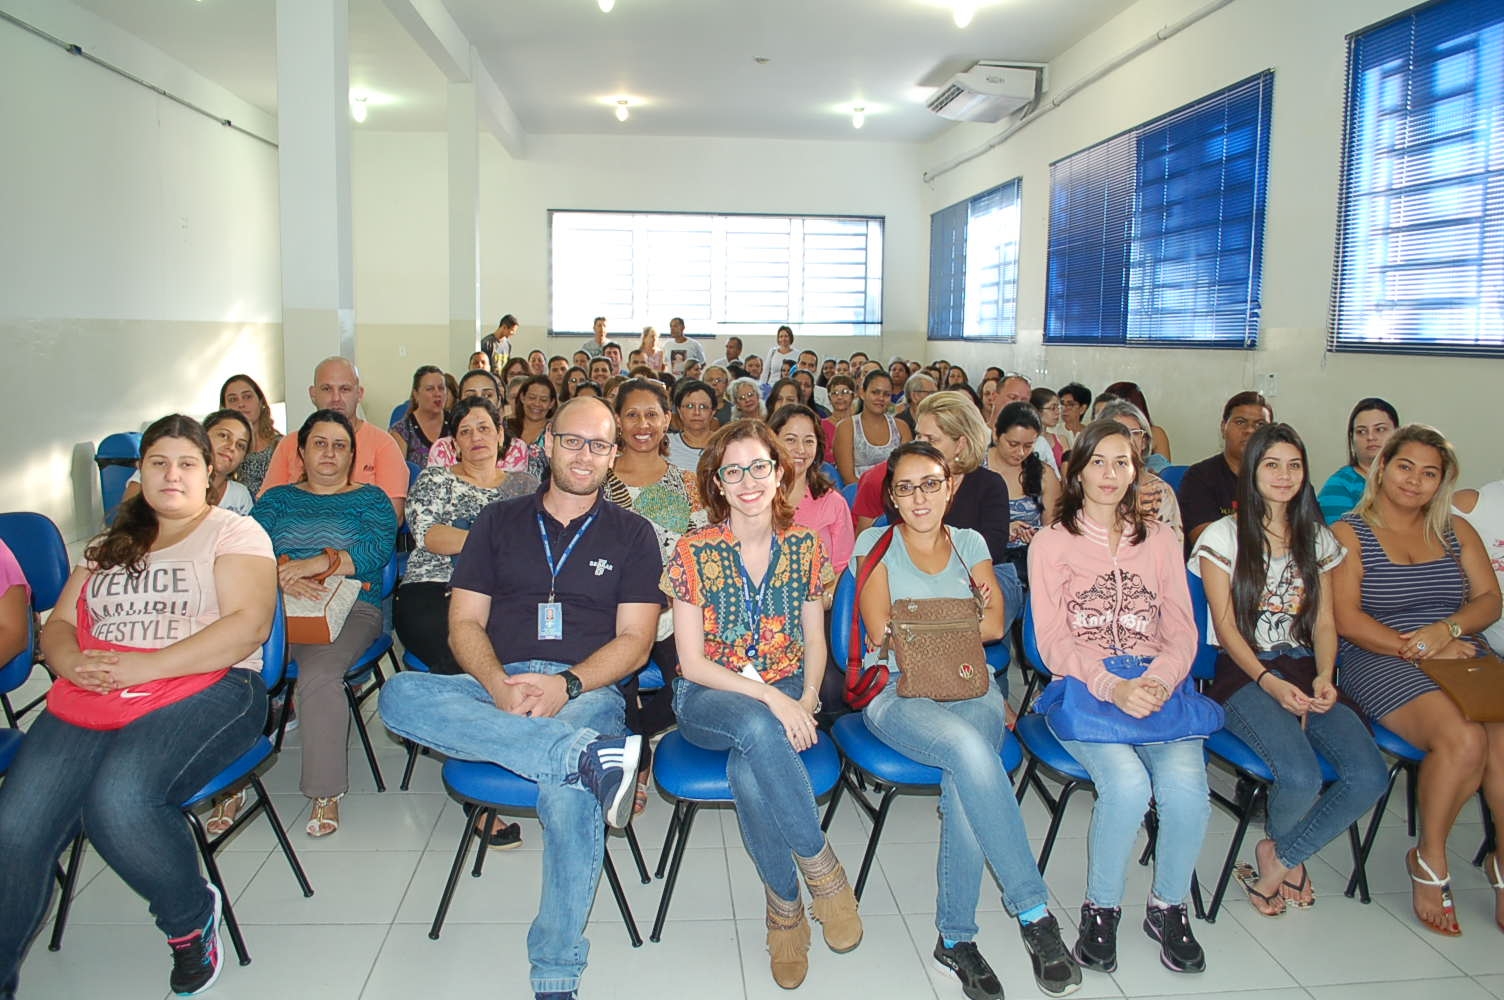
column 1033, row 488
column 855, row 450
column 1422, row 589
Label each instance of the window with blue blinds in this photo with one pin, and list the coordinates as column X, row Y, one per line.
column 1420, row 244
column 1156, row 234
column 974, row 267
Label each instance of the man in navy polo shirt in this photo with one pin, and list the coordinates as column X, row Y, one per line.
column 555, row 598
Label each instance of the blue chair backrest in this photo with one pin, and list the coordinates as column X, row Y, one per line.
column 38, row 546
column 398, row 412
column 112, row 483
column 389, row 577
column 14, row 673
column 274, row 649
column 1173, row 474
column 849, row 492
column 1031, row 644
column 831, row 470
column 842, row 608
column 122, row 447
column 414, row 470
column 1204, row 666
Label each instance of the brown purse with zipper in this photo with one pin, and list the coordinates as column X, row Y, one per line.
column 938, row 644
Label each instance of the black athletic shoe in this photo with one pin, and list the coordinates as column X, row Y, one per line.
column 1055, row 970
column 1171, row 927
column 608, row 767
column 978, row 981
column 1097, row 945
column 197, row 957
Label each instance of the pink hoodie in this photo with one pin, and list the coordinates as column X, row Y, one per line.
column 1089, row 605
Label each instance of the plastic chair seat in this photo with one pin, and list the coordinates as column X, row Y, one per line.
column 10, row 742
column 411, row 662
column 489, row 784
column 685, row 771
column 650, row 678
column 1042, row 744
column 1228, row 747
column 236, row 772
column 866, row 751
column 1396, row 745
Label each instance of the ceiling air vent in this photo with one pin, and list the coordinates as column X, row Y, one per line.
column 988, row 92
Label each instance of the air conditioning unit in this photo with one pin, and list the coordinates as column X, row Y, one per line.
column 988, row 92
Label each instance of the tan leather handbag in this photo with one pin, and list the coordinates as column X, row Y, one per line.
column 1476, row 684
column 938, row 644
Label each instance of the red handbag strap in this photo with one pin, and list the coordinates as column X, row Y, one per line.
column 875, row 556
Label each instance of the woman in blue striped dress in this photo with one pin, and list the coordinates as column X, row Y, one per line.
column 1422, row 589
column 326, row 525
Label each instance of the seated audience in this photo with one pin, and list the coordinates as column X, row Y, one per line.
column 587, row 390
column 1156, row 500
column 915, row 389
column 155, row 642
column 1033, row 489
column 751, row 683
column 240, row 392
column 601, row 369
column 784, row 392
column 328, row 524
column 1161, row 441
column 542, row 700
column 1267, row 574
column 1075, row 404
column 841, row 389
column 424, row 421
column 516, row 454
column 746, row 400
column 867, row 439
column 955, row 376
column 989, row 397
column 230, row 437
column 537, row 363
column 532, row 408
column 980, row 820
column 694, row 404
column 1369, row 425
column 1102, row 562
column 514, row 367
column 574, row 377
column 817, row 504
column 1207, row 491
column 1417, row 586
column 1048, row 405
column 480, row 359
column 1483, row 508
column 558, row 365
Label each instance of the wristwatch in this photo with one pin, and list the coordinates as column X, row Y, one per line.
column 572, row 686
column 1453, row 628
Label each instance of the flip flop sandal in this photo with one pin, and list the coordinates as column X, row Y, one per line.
column 1246, row 877
column 225, row 812
column 1430, row 878
column 1301, row 887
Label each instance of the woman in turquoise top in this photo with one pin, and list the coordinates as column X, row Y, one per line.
column 327, row 525
column 979, row 816
column 1368, row 427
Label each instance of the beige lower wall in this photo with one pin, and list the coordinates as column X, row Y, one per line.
column 71, row 382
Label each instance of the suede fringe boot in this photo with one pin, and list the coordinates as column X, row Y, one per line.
column 835, row 903
column 788, row 940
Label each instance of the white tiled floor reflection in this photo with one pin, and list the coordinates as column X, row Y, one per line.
column 364, row 934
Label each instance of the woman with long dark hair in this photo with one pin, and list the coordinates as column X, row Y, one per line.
column 240, row 392
column 1266, row 574
column 1369, row 425
column 156, row 645
column 1033, row 488
column 423, row 422
column 870, row 436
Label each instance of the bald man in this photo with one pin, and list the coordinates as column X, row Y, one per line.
column 378, row 460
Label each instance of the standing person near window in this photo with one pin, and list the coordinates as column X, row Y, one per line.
column 423, row 422
column 240, row 392
column 749, row 622
column 1267, row 575
column 133, row 728
column 1421, row 589
column 497, row 344
column 682, row 350
column 784, row 351
column 650, row 354
column 868, row 438
column 979, row 816
column 1369, row 425
column 1108, row 593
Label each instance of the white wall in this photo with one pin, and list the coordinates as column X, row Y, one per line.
column 1304, row 43
column 138, row 258
column 401, row 298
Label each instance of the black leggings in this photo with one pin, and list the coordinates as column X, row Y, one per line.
column 421, row 613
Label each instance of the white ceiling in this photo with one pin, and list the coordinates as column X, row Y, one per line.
column 690, row 62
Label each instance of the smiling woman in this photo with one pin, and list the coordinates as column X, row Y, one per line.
column 230, row 438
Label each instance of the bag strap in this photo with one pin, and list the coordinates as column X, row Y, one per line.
column 976, row 591
column 875, row 556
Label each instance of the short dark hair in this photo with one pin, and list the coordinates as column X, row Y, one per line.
column 598, row 319
column 1080, row 393
column 686, row 387
column 507, row 320
column 1246, row 398
column 462, row 410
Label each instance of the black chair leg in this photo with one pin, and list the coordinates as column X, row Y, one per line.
column 879, row 819
column 212, row 867
column 1412, row 778
column 1490, row 839
column 668, row 837
column 1249, row 794
column 637, row 858
column 365, row 737
column 1372, row 833
column 287, row 689
column 1360, row 870
column 65, row 901
column 614, row 881
column 413, row 749
column 482, row 818
column 835, row 799
column 466, row 832
column 281, row 834
column 690, row 808
column 1056, row 817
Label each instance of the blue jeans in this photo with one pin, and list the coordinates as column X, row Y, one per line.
column 126, row 787
column 979, row 816
column 455, row 715
column 1125, row 777
column 1302, row 819
column 775, row 804
column 1014, row 598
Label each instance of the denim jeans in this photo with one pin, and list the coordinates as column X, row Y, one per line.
column 1014, row 599
column 455, row 715
column 979, row 816
column 1302, row 819
column 126, row 787
column 775, row 804
column 1125, row 777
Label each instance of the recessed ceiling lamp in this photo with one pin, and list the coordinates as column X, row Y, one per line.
column 858, row 116
column 358, row 109
column 962, row 11
column 605, row 5
column 622, row 114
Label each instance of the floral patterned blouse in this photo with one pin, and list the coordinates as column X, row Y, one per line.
column 253, row 470
column 441, row 497
column 706, row 570
column 672, row 506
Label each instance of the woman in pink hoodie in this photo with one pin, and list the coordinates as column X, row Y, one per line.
column 1105, row 583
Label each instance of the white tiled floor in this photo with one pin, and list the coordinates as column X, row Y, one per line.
column 364, row 932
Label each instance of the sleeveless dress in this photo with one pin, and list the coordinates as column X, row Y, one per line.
column 865, row 454
column 1404, row 598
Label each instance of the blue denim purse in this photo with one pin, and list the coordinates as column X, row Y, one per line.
column 1074, row 713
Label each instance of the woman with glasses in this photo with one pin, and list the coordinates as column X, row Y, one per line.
column 979, row 816
column 1156, row 500
column 1075, row 404
column 1048, row 404
column 746, row 399
column 1159, row 449
column 842, row 392
column 694, row 406
column 749, row 623
column 719, row 380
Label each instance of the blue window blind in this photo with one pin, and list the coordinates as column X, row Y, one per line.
column 1156, row 234
column 1420, row 243
column 974, row 266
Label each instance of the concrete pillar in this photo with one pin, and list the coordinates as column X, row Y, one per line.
column 313, row 135
column 464, row 224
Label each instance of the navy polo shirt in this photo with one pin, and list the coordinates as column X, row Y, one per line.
column 617, row 561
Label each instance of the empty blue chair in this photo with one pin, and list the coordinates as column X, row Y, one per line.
column 243, row 770
column 868, row 756
column 39, row 549
column 1173, row 474
column 117, row 456
column 487, row 789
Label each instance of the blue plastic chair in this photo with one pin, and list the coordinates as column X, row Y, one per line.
column 694, row 777
column 398, row 412
column 834, row 472
column 486, row 789
column 113, row 479
column 117, row 456
column 849, row 492
column 12, row 676
column 39, row 549
column 1173, row 474
column 242, row 770
column 367, row 667
column 866, row 755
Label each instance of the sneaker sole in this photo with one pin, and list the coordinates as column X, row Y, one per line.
column 953, row 974
column 1050, row 991
column 218, row 946
column 1085, row 963
column 619, row 810
column 1164, row 959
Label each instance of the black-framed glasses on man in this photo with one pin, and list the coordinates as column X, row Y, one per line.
column 574, row 442
column 732, row 474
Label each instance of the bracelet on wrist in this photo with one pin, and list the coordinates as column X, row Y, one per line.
column 1259, row 680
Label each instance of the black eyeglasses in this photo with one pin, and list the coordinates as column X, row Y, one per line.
column 573, row 442
column 732, row 474
column 930, row 484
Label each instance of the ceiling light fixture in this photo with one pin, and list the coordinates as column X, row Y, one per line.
column 962, row 12
column 858, row 116
column 358, row 109
column 605, row 5
column 622, row 114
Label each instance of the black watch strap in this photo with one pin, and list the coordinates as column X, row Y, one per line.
column 572, row 686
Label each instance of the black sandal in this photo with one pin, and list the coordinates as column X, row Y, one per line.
column 1246, row 877
column 1299, row 888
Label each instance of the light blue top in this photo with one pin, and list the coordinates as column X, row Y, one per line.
column 907, row 580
